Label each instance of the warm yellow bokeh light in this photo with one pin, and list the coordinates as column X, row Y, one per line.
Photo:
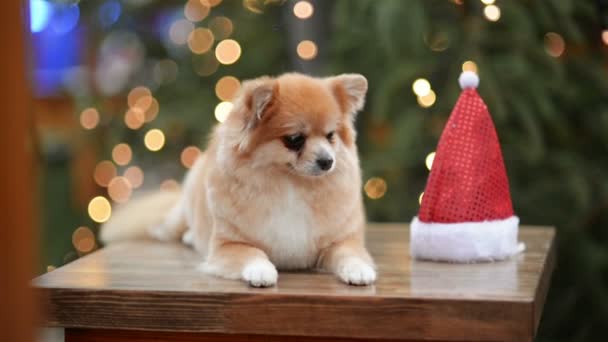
column 135, row 118
column 83, row 239
column 420, row 197
column 554, row 44
column 89, row 118
column 100, row 209
column 488, row 2
column 303, row 9
column 121, row 154
column 469, row 66
column 421, row 87
column 135, row 175
column 200, row 40
column 104, row 172
column 222, row 110
column 196, row 10
column 427, row 100
column 227, row 87
column 428, row 161
column 120, row 189
column 180, row 30
column 221, row 27
column 189, row 156
column 375, row 188
column 136, row 93
column 492, row 12
column 169, row 185
column 307, row 49
column 154, row 140
column 605, row 37
column 228, row 51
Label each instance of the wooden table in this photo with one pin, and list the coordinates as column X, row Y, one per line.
column 149, row 291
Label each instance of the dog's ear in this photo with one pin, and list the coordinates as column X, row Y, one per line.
column 349, row 90
column 259, row 96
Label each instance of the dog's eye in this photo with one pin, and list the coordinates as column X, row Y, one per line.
column 294, row 142
column 330, row 136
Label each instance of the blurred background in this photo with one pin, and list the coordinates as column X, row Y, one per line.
column 126, row 92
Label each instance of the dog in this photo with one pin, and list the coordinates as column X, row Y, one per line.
column 278, row 187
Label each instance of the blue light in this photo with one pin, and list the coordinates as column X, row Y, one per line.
column 65, row 18
column 109, row 13
column 40, row 13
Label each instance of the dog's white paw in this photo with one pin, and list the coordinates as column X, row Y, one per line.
column 355, row 271
column 260, row 273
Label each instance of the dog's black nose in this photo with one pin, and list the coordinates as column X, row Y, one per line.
column 325, row 163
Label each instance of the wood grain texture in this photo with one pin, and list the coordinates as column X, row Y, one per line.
column 154, row 286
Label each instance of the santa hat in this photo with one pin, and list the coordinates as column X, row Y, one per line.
column 466, row 213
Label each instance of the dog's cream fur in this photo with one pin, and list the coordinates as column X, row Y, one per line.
column 250, row 205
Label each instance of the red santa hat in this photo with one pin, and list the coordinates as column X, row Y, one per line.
column 466, row 213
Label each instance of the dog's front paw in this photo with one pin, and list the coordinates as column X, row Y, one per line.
column 260, row 273
column 355, row 271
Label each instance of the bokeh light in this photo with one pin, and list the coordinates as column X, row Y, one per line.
column 104, row 172
column 83, row 239
column 135, row 118
column 180, row 30
column 154, row 140
column 375, row 187
column 109, row 12
column 169, row 185
column 121, row 154
column 420, row 197
column 469, row 66
column 65, row 17
column 99, row 209
column 136, row 93
column 196, row 10
column 228, row 51
column 149, row 106
column 40, row 13
column 120, row 189
column 421, row 87
column 307, row 49
column 165, row 71
column 428, row 99
column 227, row 87
column 189, row 155
column 428, row 161
column 605, row 37
column 221, row 27
column 200, row 40
column 89, row 118
column 488, row 2
column 554, row 44
column 205, row 64
column 492, row 12
column 222, row 110
column 303, row 9
column 135, row 175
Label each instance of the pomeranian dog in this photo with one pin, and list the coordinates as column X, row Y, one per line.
column 279, row 186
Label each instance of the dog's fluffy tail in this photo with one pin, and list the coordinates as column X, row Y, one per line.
column 133, row 220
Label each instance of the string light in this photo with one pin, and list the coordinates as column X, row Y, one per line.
column 427, row 100
column 122, row 154
column 420, row 197
column 469, row 66
column 421, row 87
column 196, row 10
column 89, row 118
column 169, row 185
column 120, row 189
column 135, row 175
column 303, row 9
column 227, row 87
column 605, row 37
column 83, row 239
column 492, row 12
column 180, row 30
column 554, row 44
column 200, row 40
column 228, row 51
column 222, row 110
column 221, row 27
column 307, row 49
column 189, row 156
column 375, row 187
column 428, row 161
column 99, row 209
column 154, row 140
column 104, row 172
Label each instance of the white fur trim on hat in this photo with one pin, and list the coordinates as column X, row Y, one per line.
column 466, row 241
column 468, row 79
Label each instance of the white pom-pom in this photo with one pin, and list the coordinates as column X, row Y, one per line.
column 468, row 79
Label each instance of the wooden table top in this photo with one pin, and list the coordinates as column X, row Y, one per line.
column 154, row 286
